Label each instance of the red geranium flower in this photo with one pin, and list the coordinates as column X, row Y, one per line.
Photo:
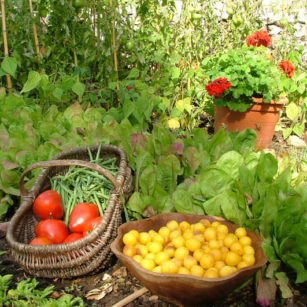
column 217, row 87
column 259, row 38
column 287, row 67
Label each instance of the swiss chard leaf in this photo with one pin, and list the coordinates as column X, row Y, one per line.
column 214, row 181
column 142, row 161
column 183, row 203
column 246, row 179
column 136, row 205
column 267, row 167
column 269, row 213
column 147, row 180
column 193, row 158
column 230, row 162
column 219, row 144
column 162, row 200
column 213, row 205
column 245, row 141
column 168, row 170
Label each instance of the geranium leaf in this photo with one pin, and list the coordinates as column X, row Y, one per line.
column 292, row 110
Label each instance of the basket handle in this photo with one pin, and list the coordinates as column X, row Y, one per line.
column 53, row 163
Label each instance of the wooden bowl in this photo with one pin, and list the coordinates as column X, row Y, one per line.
column 185, row 290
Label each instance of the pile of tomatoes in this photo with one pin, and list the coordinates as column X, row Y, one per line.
column 51, row 229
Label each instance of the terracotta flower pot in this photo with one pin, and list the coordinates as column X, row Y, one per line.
column 262, row 117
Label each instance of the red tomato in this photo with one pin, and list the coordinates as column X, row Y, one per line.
column 80, row 214
column 91, row 224
column 54, row 230
column 41, row 241
column 48, row 204
column 73, row 237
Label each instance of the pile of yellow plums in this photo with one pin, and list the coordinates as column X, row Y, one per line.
column 202, row 249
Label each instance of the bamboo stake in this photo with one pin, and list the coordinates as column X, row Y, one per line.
column 94, row 12
column 94, row 21
column 130, row 298
column 6, row 49
column 35, row 33
column 114, row 46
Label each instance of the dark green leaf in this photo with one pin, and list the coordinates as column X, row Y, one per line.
column 229, row 205
column 245, row 141
column 269, row 250
column 136, row 204
column 168, row 170
column 33, row 81
column 143, row 160
column 147, row 180
column 57, row 93
column 134, row 73
column 193, row 158
column 230, row 162
column 78, row 88
column 213, row 206
column 267, row 167
column 269, row 213
column 183, row 203
column 214, row 181
column 128, row 107
column 9, row 66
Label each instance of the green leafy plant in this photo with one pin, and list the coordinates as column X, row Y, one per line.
column 294, row 117
column 30, row 135
column 224, row 177
column 249, row 73
column 27, row 294
column 174, row 164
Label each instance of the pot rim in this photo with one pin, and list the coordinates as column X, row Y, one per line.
column 283, row 100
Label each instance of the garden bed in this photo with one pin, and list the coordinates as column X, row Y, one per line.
column 124, row 284
column 92, row 288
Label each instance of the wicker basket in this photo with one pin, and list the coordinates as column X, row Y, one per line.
column 89, row 254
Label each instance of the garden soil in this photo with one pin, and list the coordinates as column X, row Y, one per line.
column 116, row 283
column 122, row 284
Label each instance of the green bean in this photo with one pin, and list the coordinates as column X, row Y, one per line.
column 85, row 185
column 98, row 153
column 90, row 154
column 98, row 204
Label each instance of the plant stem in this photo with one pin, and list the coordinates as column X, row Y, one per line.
column 35, row 33
column 5, row 45
column 114, row 46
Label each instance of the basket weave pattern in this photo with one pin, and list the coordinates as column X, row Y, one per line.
column 89, row 254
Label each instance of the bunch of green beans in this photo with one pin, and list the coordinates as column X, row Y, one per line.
column 80, row 184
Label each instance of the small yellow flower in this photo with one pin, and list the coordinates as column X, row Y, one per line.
column 173, row 123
